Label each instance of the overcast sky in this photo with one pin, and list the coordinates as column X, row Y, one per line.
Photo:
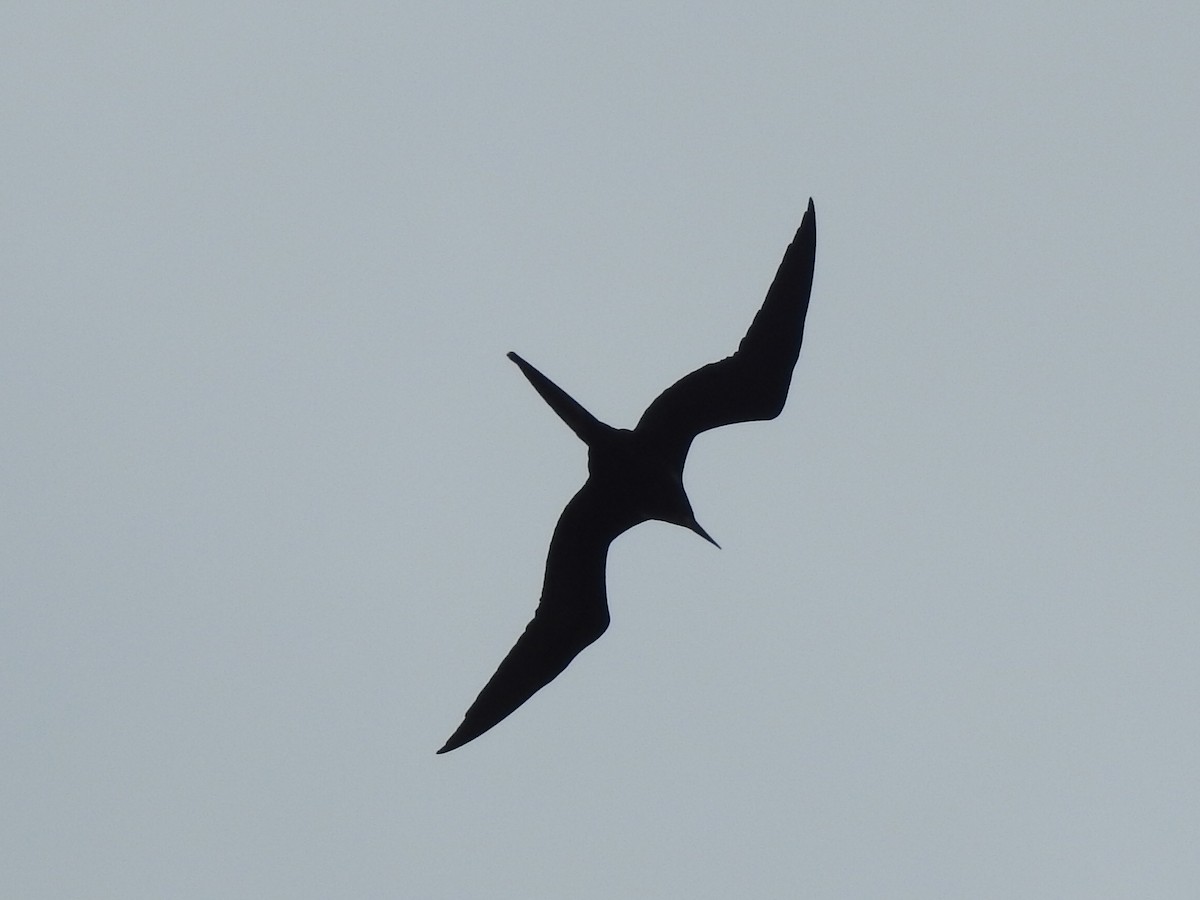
column 275, row 504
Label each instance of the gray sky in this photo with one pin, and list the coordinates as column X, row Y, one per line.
column 275, row 504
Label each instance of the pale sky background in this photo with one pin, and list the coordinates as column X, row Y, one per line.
column 276, row 505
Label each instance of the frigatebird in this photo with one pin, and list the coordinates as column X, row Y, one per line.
column 635, row 476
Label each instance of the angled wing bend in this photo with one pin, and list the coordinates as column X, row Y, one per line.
column 752, row 384
column 572, row 613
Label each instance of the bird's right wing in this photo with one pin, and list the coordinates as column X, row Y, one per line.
column 752, row 384
column 572, row 613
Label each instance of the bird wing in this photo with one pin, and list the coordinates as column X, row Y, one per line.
column 752, row 384
column 572, row 613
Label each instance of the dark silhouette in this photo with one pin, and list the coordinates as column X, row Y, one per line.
column 634, row 476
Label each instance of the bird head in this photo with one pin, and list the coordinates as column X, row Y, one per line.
column 678, row 511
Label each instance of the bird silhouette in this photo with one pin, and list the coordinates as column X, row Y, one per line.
column 635, row 476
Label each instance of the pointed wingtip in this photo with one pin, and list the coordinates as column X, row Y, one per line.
column 808, row 225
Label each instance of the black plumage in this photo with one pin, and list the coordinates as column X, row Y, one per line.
column 635, row 476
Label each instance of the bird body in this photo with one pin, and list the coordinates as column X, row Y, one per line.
column 635, row 476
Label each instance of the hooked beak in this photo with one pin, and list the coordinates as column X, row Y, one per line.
column 695, row 526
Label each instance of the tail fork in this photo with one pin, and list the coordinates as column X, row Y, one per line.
column 579, row 420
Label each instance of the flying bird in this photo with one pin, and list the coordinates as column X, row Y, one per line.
column 635, row 476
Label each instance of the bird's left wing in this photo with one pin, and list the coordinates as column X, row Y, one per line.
column 572, row 613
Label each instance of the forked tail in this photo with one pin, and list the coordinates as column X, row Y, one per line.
column 583, row 423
